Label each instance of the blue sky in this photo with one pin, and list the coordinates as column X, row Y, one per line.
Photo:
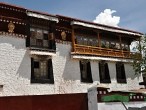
column 132, row 13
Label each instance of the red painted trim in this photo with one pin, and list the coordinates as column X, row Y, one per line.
column 45, row 102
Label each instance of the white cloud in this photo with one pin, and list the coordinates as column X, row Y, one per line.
column 107, row 18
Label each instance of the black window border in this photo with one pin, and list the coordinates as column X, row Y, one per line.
column 102, row 79
column 120, row 73
column 89, row 72
column 50, row 79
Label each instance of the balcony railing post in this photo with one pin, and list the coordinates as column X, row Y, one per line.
column 73, row 40
column 120, row 42
column 99, row 42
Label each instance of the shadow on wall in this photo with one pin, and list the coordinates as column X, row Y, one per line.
column 72, row 70
column 18, row 43
column 17, row 50
column 24, row 69
column 64, row 50
column 129, row 72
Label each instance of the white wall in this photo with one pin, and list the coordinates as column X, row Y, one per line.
column 15, row 67
column 132, row 79
column 92, row 98
column 15, row 70
column 119, row 106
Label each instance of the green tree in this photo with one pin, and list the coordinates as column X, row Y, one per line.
column 139, row 58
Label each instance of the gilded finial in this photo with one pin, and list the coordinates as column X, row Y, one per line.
column 11, row 27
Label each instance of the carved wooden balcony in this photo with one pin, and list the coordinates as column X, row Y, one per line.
column 99, row 51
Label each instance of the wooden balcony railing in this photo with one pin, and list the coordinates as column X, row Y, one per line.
column 98, row 51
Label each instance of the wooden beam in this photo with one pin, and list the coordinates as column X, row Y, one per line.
column 73, row 39
column 120, row 41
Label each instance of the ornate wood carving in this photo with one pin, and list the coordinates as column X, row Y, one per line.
column 89, row 50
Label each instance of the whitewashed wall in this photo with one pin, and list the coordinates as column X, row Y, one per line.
column 132, row 79
column 119, row 106
column 15, row 70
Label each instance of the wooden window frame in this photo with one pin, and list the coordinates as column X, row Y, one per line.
column 85, row 64
column 50, row 77
column 46, row 37
column 120, row 73
column 104, row 72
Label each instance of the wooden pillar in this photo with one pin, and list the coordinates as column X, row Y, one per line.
column 120, row 42
column 73, row 39
column 99, row 41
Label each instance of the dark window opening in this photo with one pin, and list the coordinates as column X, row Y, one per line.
column 121, row 77
column 104, row 72
column 41, row 70
column 36, row 64
column 45, row 36
column 85, row 69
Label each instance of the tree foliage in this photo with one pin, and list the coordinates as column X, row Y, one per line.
column 139, row 58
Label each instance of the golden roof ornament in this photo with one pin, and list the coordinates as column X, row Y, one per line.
column 63, row 35
column 11, row 27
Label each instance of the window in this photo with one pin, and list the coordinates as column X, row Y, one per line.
column 121, row 77
column 104, row 72
column 41, row 70
column 85, row 69
column 40, row 38
column 125, row 47
column 86, row 40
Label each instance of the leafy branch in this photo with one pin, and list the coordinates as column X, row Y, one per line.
column 139, row 58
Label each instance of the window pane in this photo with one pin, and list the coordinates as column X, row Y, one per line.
column 39, row 42
column 85, row 69
column 41, row 70
column 36, row 64
column 121, row 77
column 45, row 36
column 104, row 72
column 39, row 34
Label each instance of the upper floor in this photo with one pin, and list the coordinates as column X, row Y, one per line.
column 41, row 30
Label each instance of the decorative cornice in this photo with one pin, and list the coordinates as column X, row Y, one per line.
column 13, row 20
column 61, row 29
column 13, row 9
column 105, row 28
column 46, row 17
column 99, row 58
column 36, row 52
column 12, row 34
column 62, row 42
